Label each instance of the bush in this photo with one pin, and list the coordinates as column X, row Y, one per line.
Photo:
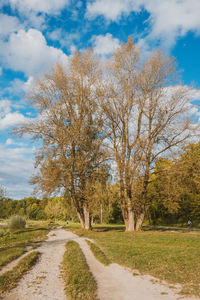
column 16, row 222
column 2, row 233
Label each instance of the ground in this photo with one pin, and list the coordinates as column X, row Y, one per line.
column 44, row 280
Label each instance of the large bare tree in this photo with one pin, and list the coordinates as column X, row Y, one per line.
column 146, row 112
column 70, row 126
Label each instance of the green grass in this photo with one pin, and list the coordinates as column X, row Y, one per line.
column 7, row 255
column 79, row 282
column 170, row 256
column 9, row 279
column 98, row 253
column 14, row 244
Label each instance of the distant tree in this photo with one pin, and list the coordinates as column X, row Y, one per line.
column 175, row 186
column 188, row 168
column 56, row 208
column 163, row 191
column 71, row 129
column 105, row 205
column 2, row 192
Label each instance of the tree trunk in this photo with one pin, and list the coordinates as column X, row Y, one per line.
column 81, row 219
column 129, row 220
column 86, row 214
column 101, row 215
column 83, row 214
column 140, row 219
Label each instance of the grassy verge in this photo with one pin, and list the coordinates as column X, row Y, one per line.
column 9, row 280
column 170, row 256
column 79, row 282
column 98, row 253
column 14, row 244
column 7, row 255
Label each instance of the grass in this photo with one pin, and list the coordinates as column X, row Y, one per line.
column 170, row 256
column 98, row 253
column 7, row 255
column 79, row 282
column 9, row 279
column 14, row 244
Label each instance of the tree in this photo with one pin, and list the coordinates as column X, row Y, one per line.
column 146, row 110
column 56, row 208
column 105, row 203
column 164, row 190
column 71, row 130
column 174, row 190
column 2, row 192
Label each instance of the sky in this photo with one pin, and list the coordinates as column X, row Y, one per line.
column 36, row 34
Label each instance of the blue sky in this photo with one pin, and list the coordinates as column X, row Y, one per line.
column 35, row 34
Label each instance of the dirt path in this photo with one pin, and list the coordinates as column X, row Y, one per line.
column 118, row 283
column 13, row 263
column 43, row 282
column 114, row 282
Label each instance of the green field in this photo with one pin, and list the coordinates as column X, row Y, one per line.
column 14, row 244
column 167, row 255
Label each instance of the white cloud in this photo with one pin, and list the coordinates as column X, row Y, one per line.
column 168, row 19
column 9, row 118
column 55, row 35
column 45, row 6
column 5, row 107
column 8, row 24
column 172, row 18
column 12, row 119
column 65, row 39
column 12, row 142
column 32, row 12
column 28, row 52
column 110, row 9
column 105, row 44
column 16, row 167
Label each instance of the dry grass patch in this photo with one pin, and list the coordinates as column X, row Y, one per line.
column 79, row 281
column 98, row 253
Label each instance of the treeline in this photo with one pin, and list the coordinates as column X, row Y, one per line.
column 173, row 197
column 116, row 118
column 60, row 208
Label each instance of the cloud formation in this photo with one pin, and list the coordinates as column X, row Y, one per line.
column 105, row 44
column 8, row 24
column 8, row 118
column 110, row 9
column 168, row 19
column 16, row 168
column 45, row 6
column 27, row 51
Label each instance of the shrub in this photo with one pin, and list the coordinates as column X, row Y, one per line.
column 2, row 232
column 16, row 222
